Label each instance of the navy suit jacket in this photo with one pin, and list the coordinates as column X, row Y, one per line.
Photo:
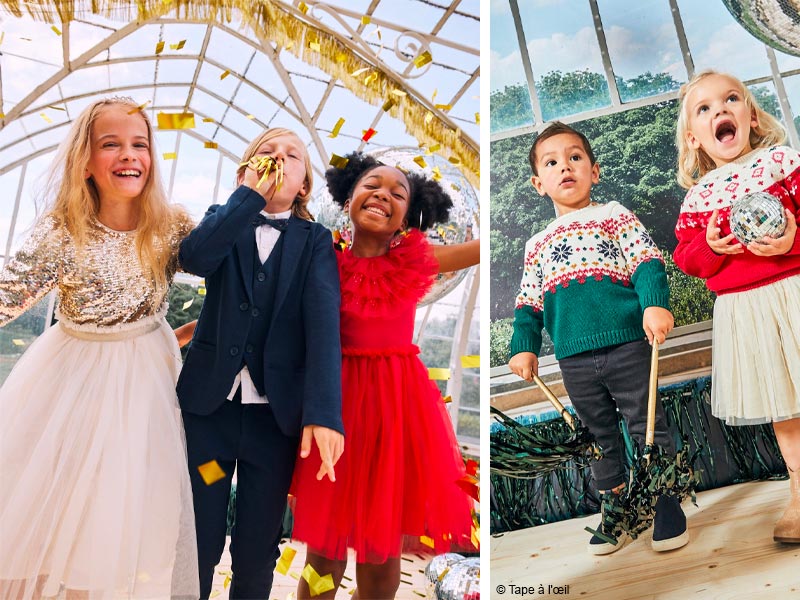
column 302, row 353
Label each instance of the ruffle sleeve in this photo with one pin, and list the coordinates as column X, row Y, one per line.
column 374, row 286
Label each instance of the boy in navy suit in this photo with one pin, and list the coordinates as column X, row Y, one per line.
column 263, row 371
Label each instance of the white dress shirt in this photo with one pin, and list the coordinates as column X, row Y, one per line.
column 266, row 238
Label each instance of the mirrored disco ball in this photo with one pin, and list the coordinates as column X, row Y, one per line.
column 461, row 582
column 774, row 22
column 461, row 226
column 438, row 566
column 757, row 215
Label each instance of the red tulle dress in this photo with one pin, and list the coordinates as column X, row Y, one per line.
column 396, row 480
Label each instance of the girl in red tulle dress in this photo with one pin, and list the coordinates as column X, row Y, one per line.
column 397, row 476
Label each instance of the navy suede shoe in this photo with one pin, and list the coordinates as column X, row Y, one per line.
column 669, row 529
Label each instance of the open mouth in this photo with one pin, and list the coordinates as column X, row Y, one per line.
column 567, row 180
column 128, row 173
column 725, row 131
column 377, row 210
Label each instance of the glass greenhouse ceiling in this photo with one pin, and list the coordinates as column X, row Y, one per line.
column 237, row 81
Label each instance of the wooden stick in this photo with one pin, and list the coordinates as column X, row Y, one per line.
column 652, row 396
column 555, row 402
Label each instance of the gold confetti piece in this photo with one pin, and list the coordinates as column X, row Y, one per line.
column 211, row 145
column 444, row 107
column 251, row 117
column 437, row 175
column 138, row 108
column 399, row 93
column 387, row 105
column 225, row 74
column 56, row 29
column 211, row 472
column 470, row 361
column 368, row 134
column 433, row 149
column 214, row 594
column 2, row 115
column 302, row 7
column 435, row 93
column 178, row 46
column 159, row 47
column 46, row 118
column 340, row 162
column 175, row 120
column 426, row 540
column 294, row 575
column 423, row 59
column 447, row 399
column 317, row 584
column 476, row 537
column 201, row 291
column 170, row 155
column 18, row 342
column 478, row 118
column 428, row 117
column 359, row 72
column 188, row 303
column 420, row 161
column 336, row 128
column 285, row 561
column 226, row 572
column 315, row 46
column 439, row 374
column 208, row 120
column 455, row 160
column 370, row 78
column 227, row 582
column 366, row 20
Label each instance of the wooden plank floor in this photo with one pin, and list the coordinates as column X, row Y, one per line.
column 731, row 555
column 284, row 587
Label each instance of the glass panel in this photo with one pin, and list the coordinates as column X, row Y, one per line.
column 793, row 93
column 8, row 183
column 643, row 46
column 510, row 102
column 787, row 62
column 565, row 57
column 17, row 336
column 717, row 41
column 767, row 98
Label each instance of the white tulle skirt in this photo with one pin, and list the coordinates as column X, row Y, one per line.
column 95, row 499
column 756, row 354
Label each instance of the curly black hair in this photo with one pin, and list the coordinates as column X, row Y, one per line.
column 428, row 204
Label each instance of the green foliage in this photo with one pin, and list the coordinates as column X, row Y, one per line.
column 691, row 301
column 514, row 108
column 500, row 341
column 179, row 295
column 767, row 100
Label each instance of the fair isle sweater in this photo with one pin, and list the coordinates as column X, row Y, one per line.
column 775, row 170
column 587, row 279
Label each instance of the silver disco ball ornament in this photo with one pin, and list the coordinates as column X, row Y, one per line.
column 461, row 226
column 757, row 215
column 461, row 582
column 774, row 22
column 437, row 569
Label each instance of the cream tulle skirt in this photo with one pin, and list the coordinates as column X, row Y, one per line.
column 756, row 354
column 95, row 499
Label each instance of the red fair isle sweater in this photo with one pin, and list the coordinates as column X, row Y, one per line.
column 775, row 170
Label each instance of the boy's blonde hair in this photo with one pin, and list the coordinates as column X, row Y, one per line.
column 75, row 202
column 300, row 204
column 694, row 163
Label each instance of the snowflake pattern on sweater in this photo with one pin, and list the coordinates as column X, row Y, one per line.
column 601, row 240
column 775, row 170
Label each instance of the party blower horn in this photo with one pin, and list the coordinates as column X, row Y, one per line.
column 653, row 473
column 533, row 450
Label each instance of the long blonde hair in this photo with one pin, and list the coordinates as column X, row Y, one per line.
column 300, row 204
column 75, row 201
column 694, row 163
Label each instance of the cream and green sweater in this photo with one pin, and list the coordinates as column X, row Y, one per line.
column 588, row 277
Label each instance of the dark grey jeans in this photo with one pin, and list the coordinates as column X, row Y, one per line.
column 599, row 383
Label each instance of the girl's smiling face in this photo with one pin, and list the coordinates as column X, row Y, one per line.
column 379, row 202
column 718, row 119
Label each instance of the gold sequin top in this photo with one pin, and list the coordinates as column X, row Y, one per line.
column 102, row 286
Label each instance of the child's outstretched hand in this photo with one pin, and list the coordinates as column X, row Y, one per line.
column 726, row 245
column 657, row 322
column 768, row 246
column 524, row 364
column 330, row 443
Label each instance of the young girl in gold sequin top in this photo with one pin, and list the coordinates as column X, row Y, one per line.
column 95, row 500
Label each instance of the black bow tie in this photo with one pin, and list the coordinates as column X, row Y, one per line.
column 279, row 224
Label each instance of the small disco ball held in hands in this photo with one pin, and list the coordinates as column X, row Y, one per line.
column 757, row 215
column 437, row 569
column 774, row 22
column 461, row 582
column 462, row 225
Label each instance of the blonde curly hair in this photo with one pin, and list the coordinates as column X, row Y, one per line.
column 694, row 163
